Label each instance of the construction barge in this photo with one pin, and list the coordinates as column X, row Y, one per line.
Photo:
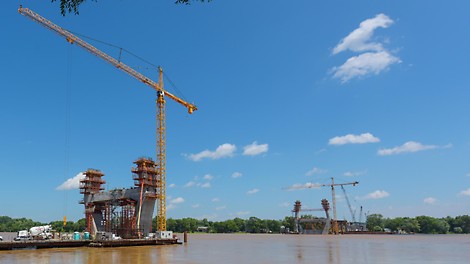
column 40, row 244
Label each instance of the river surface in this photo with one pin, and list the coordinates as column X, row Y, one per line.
column 268, row 248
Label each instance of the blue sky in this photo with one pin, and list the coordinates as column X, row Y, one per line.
column 289, row 95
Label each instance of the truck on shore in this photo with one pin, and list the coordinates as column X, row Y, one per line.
column 34, row 233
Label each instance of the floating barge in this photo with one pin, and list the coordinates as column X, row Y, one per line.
column 39, row 244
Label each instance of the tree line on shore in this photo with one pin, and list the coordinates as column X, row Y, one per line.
column 375, row 222
column 8, row 224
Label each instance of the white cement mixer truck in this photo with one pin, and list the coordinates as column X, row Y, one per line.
column 35, row 232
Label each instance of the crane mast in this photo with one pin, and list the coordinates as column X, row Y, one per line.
column 161, row 94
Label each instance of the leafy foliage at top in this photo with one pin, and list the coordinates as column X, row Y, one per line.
column 71, row 6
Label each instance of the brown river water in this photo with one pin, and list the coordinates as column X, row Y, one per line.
column 269, row 248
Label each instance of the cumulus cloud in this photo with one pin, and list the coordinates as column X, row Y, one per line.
column 208, row 177
column 307, row 185
column 189, row 184
column 374, row 57
column 354, row 139
column 376, row 195
column 222, row 151
column 410, row 146
column 177, row 200
column 72, row 183
column 215, row 200
column 172, row 185
column 359, row 39
column 255, row 149
column 465, row 192
column 252, row 191
column 353, row 173
column 364, row 64
column 430, row 200
column 236, row 175
column 172, row 204
column 314, row 171
column 205, row 185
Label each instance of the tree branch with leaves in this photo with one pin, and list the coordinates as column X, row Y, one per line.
column 72, row 6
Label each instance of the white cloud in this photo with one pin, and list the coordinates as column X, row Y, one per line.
column 197, row 184
column 284, row 204
column 177, row 200
column 354, row 139
column 190, row 184
column 205, row 185
column 208, row 177
column 376, row 195
column 374, row 58
column 430, row 200
column 307, row 185
column 364, row 64
column 174, row 202
column 172, row 185
column 465, row 192
column 314, row 171
column 196, row 206
column 410, row 146
column 358, row 40
column 353, row 173
column 252, row 191
column 72, row 183
column 236, row 175
column 222, row 151
column 215, row 200
column 255, row 149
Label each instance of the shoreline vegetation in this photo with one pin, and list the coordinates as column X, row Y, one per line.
column 375, row 222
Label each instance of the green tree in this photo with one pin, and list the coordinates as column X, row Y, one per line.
column 375, row 222
column 73, row 5
column 240, row 224
column 409, row 225
column 255, row 225
column 274, row 226
column 289, row 223
column 431, row 225
column 463, row 222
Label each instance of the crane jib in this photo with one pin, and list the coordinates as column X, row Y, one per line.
column 71, row 38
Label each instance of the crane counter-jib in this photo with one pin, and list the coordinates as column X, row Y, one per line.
column 71, row 38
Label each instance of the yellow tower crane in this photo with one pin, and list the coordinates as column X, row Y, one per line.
column 161, row 93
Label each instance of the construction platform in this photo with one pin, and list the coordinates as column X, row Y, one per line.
column 39, row 244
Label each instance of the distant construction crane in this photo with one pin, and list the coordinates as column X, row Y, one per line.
column 353, row 213
column 333, row 197
column 161, row 93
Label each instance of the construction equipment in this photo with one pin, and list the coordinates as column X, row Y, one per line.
column 161, row 94
column 333, row 197
column 353, row 214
